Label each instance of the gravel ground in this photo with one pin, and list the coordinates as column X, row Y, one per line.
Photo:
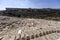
column 9, row 26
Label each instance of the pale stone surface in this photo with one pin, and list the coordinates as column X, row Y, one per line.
column 58, row 39
column 12, row 27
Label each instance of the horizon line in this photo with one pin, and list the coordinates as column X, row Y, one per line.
column 29, row 7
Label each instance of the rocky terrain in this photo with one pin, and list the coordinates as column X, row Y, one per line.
column 32, row 29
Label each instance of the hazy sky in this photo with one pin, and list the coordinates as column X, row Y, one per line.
column 29, row 4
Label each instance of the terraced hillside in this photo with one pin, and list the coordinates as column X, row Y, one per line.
column 32, row 29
